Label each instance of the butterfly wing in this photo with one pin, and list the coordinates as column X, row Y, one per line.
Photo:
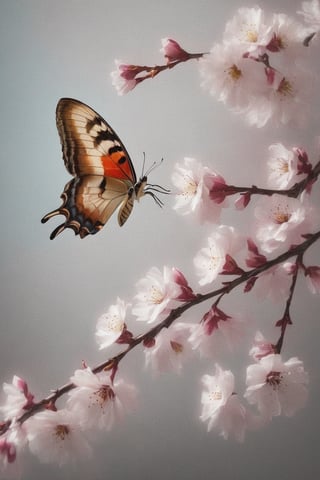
column 103, row 171
column 89, row 145
column 88, row 203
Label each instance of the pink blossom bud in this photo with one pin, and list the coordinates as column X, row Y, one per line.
column 219, row 190
column 22, row 385
column 304, row 166
column 186, row 291
column 242, row 201
column 313, row 278
column 261, row 347
column 231, row 267
column 8, row 449
column 212, row 317
column 172, row 51
column 255, row 258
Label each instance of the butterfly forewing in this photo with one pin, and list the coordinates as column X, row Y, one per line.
column 89, row 145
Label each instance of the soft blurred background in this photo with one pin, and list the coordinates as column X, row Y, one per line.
column 52, row 292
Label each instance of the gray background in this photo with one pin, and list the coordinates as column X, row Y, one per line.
column 53, row 292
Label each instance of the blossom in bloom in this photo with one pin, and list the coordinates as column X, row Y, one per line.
column 194, row 182
column 281, row 221
column 18, row 400
column 311, row 13
column 221, row 407
column 277, row 387
column 111, row 324
column 287, row 37
column 282, row 167
column 172, row 51
column 156, row 295
column 312, row 274
column 210, row 260
column 216, row 331
column 125, row 77
column 170, row 349
column 98, row 401
column 261, row 347
column 232, row 78
column 248, row 27
column 56, row 437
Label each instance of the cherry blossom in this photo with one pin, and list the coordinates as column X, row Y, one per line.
column 124, row 77
column 274, row 284
column 18, row 400
column 216, row 331
column 171, row 349
column 221, row 407
column 312, row 274
column 56, row 437
column 98, row 401
column 172, row 50
column 277, row 387
column 261, row 347
column 282, row 166
column 210, row 261
column 194, row 182
column 232, row 78
column 311, row 13
column 111, row 324
column 281, row 221
column 248, row 28
column 156, row 294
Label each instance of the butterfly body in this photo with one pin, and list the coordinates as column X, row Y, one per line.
column 104, row 176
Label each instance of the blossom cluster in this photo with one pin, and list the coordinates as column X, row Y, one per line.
column 260, row 69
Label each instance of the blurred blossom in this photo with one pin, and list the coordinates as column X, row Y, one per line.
column 171, row 349
column 281, row 221
column 111, row 324
column 312, row 274
column 311, row 13
column 156, row 295
column 99, row 402
column 274, row 284
column 282, row 166
column 248, row 28
column 221, row 407
column 56, row 437
column 216, row 332
column 277, row 387
column 18, row 400
column 210, row 260
column 194, row 182
column 261, row 347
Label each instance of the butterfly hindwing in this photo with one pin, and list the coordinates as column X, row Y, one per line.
column 88, row 203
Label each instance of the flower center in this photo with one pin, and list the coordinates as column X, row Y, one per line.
column 234, row 72
column 190, row 188
column 103, row 395
column 62, row 431
column 156, row 296
column 285, row 88
column 251, row 36
column 176, row 347
column 274, row 379
column 115, row 324
column 215, row 395
column 282, row 166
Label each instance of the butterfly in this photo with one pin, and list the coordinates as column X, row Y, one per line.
column 104, row 176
